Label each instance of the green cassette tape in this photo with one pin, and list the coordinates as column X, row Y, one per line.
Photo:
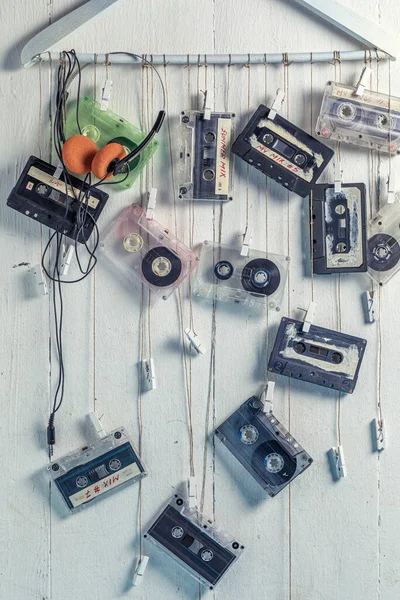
column 105, row 126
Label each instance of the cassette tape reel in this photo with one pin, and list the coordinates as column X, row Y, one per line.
column 383, row 246
column 256, row 279
column 371, row 120
column 204, row 169
column 321, row 356
column 97, row 470
column 282, row 151
column 145, row 249
column 339, row 229
column 46, row 199
column 105, row 126
column 204, row 551
column 263, row 446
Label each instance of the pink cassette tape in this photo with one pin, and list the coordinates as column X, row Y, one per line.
column 149, row 251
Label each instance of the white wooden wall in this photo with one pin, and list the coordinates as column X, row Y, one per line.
column 318, row 540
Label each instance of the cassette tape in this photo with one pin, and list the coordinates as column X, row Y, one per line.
column 96, row 470
column 104, row 127
column 204, row 551
column 339, row 229
column 383, row 246
column 321, row 356
column 256, row 279
column 371, row 120
column 147, row 250
column 263, row 446
column 47, row 199
column 282, row 151
column 204, row 170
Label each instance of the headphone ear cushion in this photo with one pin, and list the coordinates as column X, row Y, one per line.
column 78, row 152
column 104, row 157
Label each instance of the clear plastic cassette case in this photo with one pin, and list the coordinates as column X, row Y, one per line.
column 105, row 126
column 371, row 120
column 145, row 249
column 383, row 246
column 254, row 280
column 92, row 472
column 203, row 550
column 204, row 166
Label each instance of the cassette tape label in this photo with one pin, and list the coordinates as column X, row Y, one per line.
column 58, row 184
column 104, row 485
column 223, row 146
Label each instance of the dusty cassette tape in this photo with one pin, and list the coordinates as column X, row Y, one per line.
column 339, row 228
column 370, row 120
column 224, row 274
column 263, row 446
column 383, row 246
column 200, row 548
column 47, row 199
column 203, row 169
column 282, row 151
column 321, row 356
column 96, row 470
column 147, row 250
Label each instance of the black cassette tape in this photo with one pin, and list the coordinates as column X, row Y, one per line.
column 204, row 551
column 94, row 471
column 203, row 169
column 263, row 446
column 282, row 151
column 339, row 229
column 322, row 356
column 42, row 197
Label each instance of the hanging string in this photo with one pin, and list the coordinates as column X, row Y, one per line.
column 94, row 289
column 248, row 67
column 266, row 233
column 311, row 209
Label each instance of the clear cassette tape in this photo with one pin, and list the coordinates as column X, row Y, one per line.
column 203, row 550
column 371, row 120
column 383, row 246
column 224, row 274
column 204, row 167
column 92, row 472
column 263, row 446
column 149, row 251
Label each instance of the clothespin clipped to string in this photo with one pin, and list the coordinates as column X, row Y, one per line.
column 391, row 187
column 66, row 258
column 246, row 242
column 338, row 464
column 363, row 81
column 139, row 571
column 338, row 177
column 149, row 374
column 151, row 204
column 369, row 306
column 106, row 94
column 207, row 108
column 276, row 105
column 39, row 279
column 96, row 426
column 195, row 341
column 379, row 431
column 192, row 492
column 268, row 397
column 309, row 316
column 58, row 171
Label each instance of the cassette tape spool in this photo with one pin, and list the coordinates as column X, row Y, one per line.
column 282, row 151
column 321, row 356
column 204, row 551
column 256, row 279
column 371, row 120
column 339, row 229
column 42, row 197
column 383, row 246
column 97, row 470
column 145, row 249
column 204, row 166
column 103, row 127
column 263, row 446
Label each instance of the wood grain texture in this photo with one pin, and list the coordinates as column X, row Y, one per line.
column 319, row 539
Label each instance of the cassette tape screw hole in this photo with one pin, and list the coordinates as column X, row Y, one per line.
column 55, row 467
column 235, row 545
column 117, row 435
column 179, row 501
